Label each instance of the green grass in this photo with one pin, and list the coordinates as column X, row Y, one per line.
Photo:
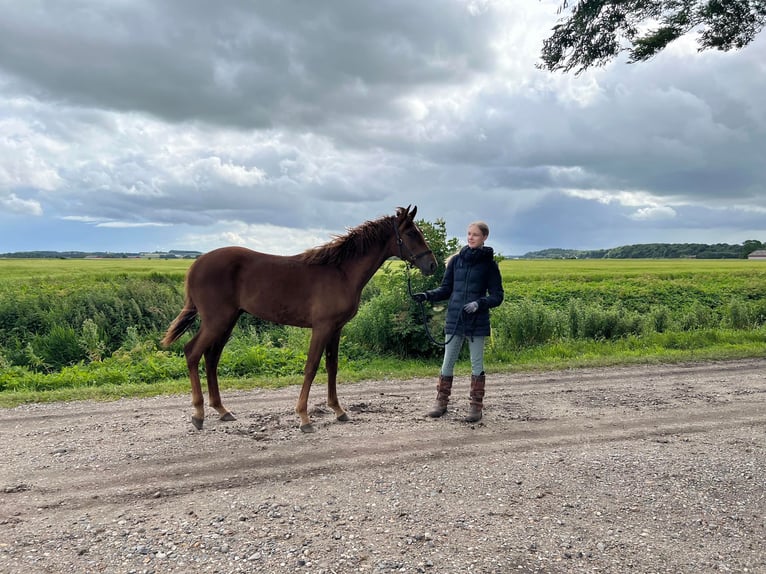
column 699, row 346
column 681, row 286
column 635, row 283
column 31, row 269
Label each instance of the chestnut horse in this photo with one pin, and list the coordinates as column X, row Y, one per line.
column 319, row 288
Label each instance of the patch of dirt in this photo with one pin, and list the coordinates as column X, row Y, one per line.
column 634, row 469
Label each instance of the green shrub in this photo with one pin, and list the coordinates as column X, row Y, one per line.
column 58, row 348
column 574, row 318
column 698, row 316
column 391, row 323
column 758, row 310
column 524, row 324
column 737, row 315
column 243, row 358
column 592, row 321
column 659, row 318
column 91, row 341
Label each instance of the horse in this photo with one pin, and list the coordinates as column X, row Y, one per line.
column 318, row 289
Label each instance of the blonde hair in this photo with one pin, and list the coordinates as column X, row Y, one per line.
column 483, row 227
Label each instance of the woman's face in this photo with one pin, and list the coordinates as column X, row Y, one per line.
column 475, row 237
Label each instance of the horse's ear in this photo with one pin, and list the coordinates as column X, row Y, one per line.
column 403, row 213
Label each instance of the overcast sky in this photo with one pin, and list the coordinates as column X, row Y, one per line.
column 131, row 125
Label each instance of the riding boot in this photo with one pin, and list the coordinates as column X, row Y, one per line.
column 443, row 391
column 477, row 398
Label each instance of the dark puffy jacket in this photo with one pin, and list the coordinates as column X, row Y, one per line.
column 471, row 275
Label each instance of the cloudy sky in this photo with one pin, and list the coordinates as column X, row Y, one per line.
column 131, row 125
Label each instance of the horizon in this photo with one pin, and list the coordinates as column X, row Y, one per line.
column 507, row 256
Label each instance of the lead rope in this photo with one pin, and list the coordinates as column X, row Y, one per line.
column 423, row 312
column 407, row 265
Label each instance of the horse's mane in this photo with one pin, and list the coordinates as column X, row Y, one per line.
column 355, row 242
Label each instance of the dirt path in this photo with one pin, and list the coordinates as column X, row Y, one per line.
column 638, row 469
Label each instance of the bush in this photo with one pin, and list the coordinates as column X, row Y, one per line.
column 659, row 318
column 245, row 355
column 597, row 323
column 91, row 341
column 388, row 321
column 737, row 315
column 381, row 325
column 112, row 304
column 57, row 349
column 698, row 316
column 524, row 324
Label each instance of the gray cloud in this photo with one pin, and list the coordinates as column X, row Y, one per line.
column 226, row 122
column 242, row 64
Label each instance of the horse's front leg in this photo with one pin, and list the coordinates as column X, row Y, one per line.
column 317, row 345
column 193, row 355
column 331, row 363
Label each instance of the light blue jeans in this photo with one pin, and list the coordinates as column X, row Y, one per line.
column 452, row 350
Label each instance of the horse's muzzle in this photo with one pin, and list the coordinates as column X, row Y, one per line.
column 425, row 261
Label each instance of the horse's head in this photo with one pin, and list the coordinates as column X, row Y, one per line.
column 412, row 245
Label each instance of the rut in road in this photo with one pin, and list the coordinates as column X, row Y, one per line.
column 112, row 453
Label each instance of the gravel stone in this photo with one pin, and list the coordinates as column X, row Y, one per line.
column 651, row 469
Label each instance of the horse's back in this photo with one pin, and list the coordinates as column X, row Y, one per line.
column 227, row 260
column 273, row 287
column 218, row 275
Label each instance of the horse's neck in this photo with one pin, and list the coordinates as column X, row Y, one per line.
column 360, row 270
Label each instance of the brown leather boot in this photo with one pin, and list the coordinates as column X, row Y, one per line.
column 443, row 391
column 477, row 398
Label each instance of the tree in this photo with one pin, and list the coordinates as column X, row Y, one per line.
column 597, row 31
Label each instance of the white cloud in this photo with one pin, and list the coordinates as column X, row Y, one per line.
column 654, row 212
column 258, row 124
column 264, row 238
column 24, row 152
column 129, row 224
column 15, row 204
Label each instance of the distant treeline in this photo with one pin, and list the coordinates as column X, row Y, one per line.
column 172, row 254
column 655, row 251
column 638, row 251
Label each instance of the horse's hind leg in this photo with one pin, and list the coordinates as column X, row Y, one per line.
column 331, row 364
column 193, row 351
column 204, row 342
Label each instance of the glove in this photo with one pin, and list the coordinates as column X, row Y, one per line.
column 471, row 307
column 419, row 297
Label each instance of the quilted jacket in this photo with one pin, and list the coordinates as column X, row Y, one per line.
column 471, row 275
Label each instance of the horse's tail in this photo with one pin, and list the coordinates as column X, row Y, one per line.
column 181, row 323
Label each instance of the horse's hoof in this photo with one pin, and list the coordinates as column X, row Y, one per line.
column 197, row 423
column 344, row 418
column 307, row 428
column 228, row 417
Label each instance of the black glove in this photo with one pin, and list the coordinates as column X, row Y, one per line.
column 471, row 307
column 419, row 297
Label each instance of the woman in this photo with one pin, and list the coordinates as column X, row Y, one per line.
column 473, row 285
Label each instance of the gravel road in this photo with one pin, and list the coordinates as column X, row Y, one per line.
column 633, row 469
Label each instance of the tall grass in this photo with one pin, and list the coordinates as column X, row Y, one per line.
column 76, row 329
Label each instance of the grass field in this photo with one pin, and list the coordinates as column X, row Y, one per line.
column 557, row 314
column 638, row 285
column 513, row 270
column 54, row 269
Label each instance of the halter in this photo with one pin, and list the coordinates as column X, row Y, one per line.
column 412, row 259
